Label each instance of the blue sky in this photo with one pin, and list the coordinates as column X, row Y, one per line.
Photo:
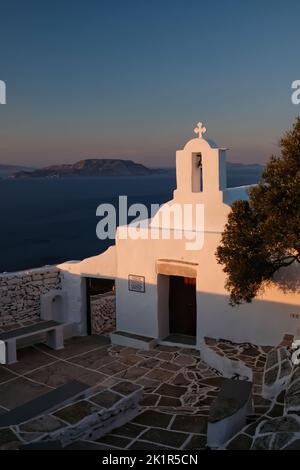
column 130, row 78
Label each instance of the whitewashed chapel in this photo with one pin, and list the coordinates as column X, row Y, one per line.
column 166, row 292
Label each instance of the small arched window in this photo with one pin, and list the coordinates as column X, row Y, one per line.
column 197, row 173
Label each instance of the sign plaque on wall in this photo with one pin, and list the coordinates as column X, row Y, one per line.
column 136, row 283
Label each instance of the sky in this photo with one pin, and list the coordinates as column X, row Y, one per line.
column 131, row 78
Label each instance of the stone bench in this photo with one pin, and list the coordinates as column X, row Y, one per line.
column 228, row 411
column 88, row 418
column 51, row 401
column 53, row 330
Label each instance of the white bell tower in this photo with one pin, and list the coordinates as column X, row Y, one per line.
column 200, row 169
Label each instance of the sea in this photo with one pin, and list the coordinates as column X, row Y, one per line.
column 49, row 221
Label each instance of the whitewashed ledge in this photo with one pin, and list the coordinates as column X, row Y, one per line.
column 90, row 418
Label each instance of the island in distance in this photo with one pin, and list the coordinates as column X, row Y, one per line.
column 91, row 167
column 7, row 171
column 237, row 173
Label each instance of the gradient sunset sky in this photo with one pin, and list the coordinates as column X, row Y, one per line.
column 131, row 78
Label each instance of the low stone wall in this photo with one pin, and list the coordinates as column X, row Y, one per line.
column 279, row 428
column 227, row 363
column 20, row 294
column 103, row 312
column 277, row 372
column 282, row 432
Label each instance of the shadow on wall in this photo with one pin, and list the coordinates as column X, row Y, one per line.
column 57, row 308
column 261, row 322
column 288, row 280
column 145, row 311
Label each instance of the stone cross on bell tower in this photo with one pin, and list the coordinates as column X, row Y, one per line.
column 200, row 130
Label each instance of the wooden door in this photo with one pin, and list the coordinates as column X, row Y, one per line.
column 182, row 305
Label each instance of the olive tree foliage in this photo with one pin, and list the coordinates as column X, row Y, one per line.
column 262, row 235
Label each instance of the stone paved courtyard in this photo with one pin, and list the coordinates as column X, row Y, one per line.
column 178, row 387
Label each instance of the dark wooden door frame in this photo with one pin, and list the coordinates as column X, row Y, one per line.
column 88, row 308
column 182, row 306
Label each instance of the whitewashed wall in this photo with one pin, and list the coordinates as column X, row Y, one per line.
column 264, row 321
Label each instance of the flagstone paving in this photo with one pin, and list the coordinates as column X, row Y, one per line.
column 178, row 388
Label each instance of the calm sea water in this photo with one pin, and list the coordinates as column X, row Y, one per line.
column 49, row 221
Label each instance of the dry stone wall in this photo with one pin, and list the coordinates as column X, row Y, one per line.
column 103, row 312
column 20, row 294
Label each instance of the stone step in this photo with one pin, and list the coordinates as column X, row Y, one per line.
column 123, row 338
